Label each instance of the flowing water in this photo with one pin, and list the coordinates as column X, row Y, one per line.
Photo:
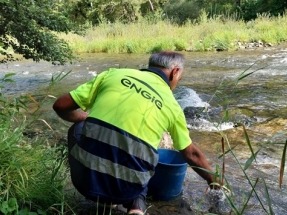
column 218, row 92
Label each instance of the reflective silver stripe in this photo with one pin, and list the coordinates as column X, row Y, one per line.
column 102, row 165
column 116, row 139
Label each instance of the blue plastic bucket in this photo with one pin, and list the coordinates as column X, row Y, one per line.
column 166, row 183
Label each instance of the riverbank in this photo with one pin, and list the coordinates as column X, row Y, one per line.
column 208, row 34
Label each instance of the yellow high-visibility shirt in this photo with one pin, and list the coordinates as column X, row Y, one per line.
column 138, row 102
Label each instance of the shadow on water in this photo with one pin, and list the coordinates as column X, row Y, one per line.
column 207, row 93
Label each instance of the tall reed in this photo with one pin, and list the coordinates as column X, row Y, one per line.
column 263, row 196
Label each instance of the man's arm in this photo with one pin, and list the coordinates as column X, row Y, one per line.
column 66, row 108
column 197, row 160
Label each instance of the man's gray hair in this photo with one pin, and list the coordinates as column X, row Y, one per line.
column 166, row 59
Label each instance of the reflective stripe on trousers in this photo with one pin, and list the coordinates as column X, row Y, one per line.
column 135, row 149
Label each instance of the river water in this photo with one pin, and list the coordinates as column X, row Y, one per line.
column 218, row 91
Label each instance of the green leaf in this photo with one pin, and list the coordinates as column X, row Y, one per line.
column 250, row 160
column 282, row 166
column 248, row 141
column 249, row 196
column 41, row 212
column 227, row 151
column 4, row 207
column 9, row 206
column 9, row 75
column 245, row 75
column 271, row 212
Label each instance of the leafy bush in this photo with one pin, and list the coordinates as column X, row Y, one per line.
column 27, row 28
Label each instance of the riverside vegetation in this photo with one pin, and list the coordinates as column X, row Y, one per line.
column 219, row 33
column 38, row 21
column 34, row 171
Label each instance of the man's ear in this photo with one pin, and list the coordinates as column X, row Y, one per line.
column 174, row 72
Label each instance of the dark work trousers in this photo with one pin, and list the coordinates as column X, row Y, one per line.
column 74, row 136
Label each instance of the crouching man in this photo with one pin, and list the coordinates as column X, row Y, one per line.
column 122, row 116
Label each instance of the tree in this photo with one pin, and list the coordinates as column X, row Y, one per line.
column 28, row 27
column 126, row 11
column 251, row 8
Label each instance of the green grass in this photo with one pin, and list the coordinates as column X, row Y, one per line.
column 33, row 173
column 218, row 33
column 28, row 173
